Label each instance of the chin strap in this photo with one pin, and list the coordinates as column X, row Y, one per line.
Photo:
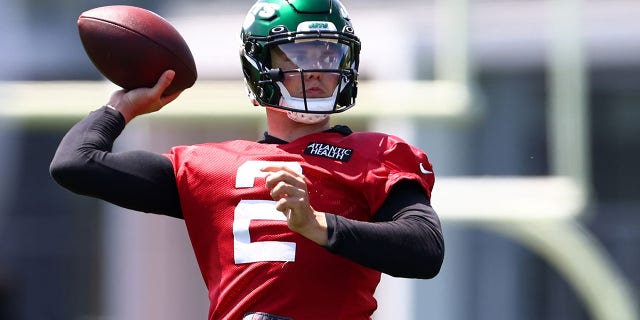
column 310, row 104
column 306, row 118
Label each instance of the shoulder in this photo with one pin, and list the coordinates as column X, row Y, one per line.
column 376, row 137
column 204, row 151
column 378, row 143
column 374, row 150
column 225, row 145
column 368, row 144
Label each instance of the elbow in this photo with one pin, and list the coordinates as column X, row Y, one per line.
column 60, row 172
column 432, row 264
column 430, row 255
column 429, row 260
column 57, row 170
column 67, row 174
column 436, row 257
column 424, row 263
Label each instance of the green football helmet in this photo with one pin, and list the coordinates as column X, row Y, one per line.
column 313, row 37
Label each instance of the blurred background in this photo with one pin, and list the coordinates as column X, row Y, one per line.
column 528, row 110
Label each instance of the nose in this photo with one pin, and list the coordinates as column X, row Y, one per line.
column 313, row 75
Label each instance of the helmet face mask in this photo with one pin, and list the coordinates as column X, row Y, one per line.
column 286, row 46
column 310, row 73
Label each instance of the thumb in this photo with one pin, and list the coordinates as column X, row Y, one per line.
column 168, row 98
column 165, row 80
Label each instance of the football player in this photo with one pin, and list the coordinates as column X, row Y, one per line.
column 298, row 225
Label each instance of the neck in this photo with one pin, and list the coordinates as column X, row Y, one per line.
column 280, row 126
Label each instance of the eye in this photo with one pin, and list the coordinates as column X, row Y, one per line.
column 299, row 59
column 330, row 59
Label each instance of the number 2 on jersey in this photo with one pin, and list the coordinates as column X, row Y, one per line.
column 244, row 250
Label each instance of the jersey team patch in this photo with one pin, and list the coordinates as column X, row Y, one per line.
column 328, row 151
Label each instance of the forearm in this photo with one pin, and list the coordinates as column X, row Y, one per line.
column 137, row 180
column 409, row 245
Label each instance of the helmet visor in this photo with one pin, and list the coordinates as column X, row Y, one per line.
column 311, row 55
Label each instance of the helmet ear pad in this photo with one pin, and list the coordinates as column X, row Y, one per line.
column 347, row 96
column 256, row 62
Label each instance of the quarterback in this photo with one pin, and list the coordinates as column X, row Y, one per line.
column 299, row 225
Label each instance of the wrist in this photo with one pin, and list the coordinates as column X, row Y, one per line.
column 125, row 115
column 317, row 231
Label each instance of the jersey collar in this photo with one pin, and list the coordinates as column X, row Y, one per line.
column 269, row 139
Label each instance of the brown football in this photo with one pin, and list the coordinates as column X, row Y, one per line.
column 132, row 47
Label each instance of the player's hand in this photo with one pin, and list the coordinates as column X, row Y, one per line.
column 289, row 189
column 141, row 101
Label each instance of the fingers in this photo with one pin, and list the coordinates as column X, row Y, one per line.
column 164, row 82
column 282, row 173
column 288, row 188
column 139, row 101
column 289, row 197
column 276, row 168
column 283, row 184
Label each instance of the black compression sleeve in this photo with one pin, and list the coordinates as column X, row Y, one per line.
column 138, row 180
column 405, row 240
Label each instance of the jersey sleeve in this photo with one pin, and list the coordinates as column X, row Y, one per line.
column 396, row 161
column 177, row 155
column 84, row 163
column 174, row 157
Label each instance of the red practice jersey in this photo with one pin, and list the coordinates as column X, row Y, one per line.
column 249, row 259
